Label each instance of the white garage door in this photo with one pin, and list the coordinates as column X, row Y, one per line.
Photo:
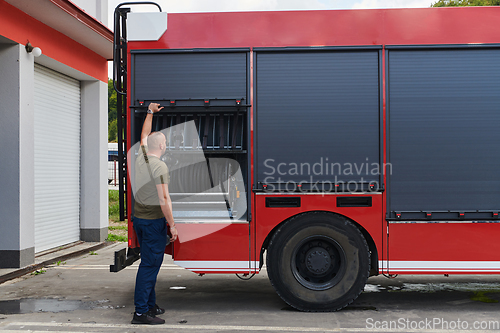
column 57, row 159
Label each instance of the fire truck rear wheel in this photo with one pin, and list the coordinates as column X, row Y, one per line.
column 318, row 262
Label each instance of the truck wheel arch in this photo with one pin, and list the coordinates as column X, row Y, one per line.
column 374, row 267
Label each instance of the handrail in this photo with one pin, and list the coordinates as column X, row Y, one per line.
column 117, row 37
column 120, row 77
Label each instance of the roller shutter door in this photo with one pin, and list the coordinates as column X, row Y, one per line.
column 162, row 77
column 318, row 116
column 57, row 159
column 173, row 76
column 444, row 111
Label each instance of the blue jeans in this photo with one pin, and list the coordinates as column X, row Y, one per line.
column 152, row 237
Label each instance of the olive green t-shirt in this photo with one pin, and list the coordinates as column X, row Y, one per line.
column 149, row 172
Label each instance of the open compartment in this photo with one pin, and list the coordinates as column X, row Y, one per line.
column 207, row 158
column 205, row 120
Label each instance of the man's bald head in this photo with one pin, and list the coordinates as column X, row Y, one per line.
column 156, row 141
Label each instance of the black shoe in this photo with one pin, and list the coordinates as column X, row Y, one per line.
column 147, row 318
column 156, row 310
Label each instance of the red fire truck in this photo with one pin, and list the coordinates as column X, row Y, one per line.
column 331, row 145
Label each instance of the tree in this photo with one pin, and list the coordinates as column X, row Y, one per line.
column 113, row 131
column 462, row 3
column 112, row 113
column 111, row 101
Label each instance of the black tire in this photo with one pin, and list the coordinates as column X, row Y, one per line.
column 318, row 262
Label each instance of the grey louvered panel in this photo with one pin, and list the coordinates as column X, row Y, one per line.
column 57, row 159
column 190, row 75
column 444, row 140
column 313, row 106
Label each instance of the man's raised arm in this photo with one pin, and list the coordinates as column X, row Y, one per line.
column 148, row 122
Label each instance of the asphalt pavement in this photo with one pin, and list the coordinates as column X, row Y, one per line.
column 81, row 295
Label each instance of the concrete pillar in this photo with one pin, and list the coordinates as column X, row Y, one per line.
column 17, row 238
column 102, row 11
column 94, row 162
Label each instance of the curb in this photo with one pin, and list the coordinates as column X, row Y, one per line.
column 31, row 268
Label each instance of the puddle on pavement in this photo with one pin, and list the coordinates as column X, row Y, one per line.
column 479, row 292
column 31, row 305
column 436, row 287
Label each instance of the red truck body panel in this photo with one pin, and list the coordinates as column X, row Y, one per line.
column 402, row 248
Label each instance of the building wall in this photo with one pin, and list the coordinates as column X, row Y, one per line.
column 17, row 174
column 20, row 27
column 16, row 170
column 95, row 8
column 94, row 156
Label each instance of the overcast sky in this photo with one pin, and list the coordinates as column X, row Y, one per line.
column 187, row 6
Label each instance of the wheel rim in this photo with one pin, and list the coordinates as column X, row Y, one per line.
column 318, row 262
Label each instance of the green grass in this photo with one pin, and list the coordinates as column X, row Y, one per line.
column 114, row 205
column 118, row 227
column 116, row 238
column 38, row 272
column 114, row 216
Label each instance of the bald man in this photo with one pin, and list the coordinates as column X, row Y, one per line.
column 152, row 213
